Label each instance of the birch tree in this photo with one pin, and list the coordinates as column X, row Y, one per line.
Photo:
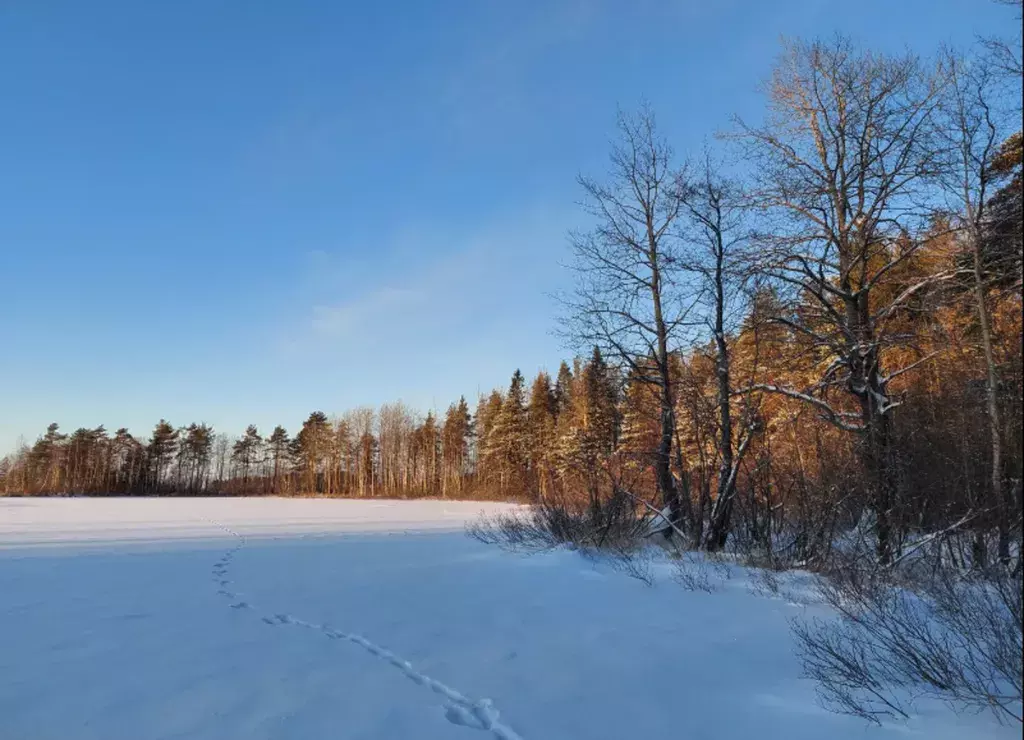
column 629, row 299
column 971, row 131
column 715, row 232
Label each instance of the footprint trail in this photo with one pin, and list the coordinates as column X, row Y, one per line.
column 460, row 709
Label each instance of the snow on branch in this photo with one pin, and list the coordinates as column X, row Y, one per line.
column 838, row 418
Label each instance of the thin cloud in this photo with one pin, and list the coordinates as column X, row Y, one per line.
column 341, row 320
column 500, row 273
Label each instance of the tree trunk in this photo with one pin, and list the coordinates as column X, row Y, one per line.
column 670, row 498
column 992, row 402
column 877, row 457
column 663, row 471
column 721, row 512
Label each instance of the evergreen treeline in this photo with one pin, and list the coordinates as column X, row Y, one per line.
column 519, row 443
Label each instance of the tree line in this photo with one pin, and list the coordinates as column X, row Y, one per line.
column 831, row 336
column 510, row 446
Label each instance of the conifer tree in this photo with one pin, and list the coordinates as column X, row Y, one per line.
column 589, row 427
column 247, row 452
column 640, row 425
column 127, row 462
column 163, row 444
column 44, row 459
column 563, row 388
column 277, row 448
column 508, row 436
column 541, row 433
column 455, row 438
column 486, row 454
column 312, row 443
column 194, row 457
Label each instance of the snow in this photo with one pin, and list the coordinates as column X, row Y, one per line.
column 300, row 618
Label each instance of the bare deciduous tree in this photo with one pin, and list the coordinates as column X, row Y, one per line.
column 972, row 136
column 713, row 209
column 629, row 298
column 841, row 163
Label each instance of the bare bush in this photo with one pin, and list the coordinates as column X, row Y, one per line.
column 698, row 572
column 765, row 582
column 634, row 562
column 608, row 524
column 954, row 636
column 616, row 529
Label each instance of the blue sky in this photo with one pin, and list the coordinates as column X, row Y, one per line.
column 240, row 212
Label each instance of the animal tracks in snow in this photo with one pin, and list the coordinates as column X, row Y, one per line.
column 459, row 709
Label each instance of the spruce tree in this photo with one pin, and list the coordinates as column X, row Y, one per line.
column 455, row 438
column 487, row 454
column 640, row 422
column 601, row 391
column 541, row 433
column 508, row 436
column 588, row 427
column 563, row 388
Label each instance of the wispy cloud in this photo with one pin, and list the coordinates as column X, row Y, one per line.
column 427, row 289
column 341, row 320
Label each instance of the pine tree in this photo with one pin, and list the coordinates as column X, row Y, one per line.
column 345, row 441
column 247, row 452
column 486, row 455
column 541, row 433
column 277, row 448
column 313, row 442
column 455, row 438
column 127, row 459
column 296, row 464
column 368, row 462
column 429, row 445
column 87, row 460
column 45, row 460
column 194, row 457
column 163, row 444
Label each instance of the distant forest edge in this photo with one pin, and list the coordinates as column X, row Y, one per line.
column 512, row 447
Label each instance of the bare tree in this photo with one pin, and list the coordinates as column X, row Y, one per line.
column 1005, row 55
column 629, row 298
column 222, row 454
column 842, row 162
column 713, row 211
column 972, row 135
column 364, row 463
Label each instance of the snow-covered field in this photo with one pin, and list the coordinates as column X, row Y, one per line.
column 295, row 618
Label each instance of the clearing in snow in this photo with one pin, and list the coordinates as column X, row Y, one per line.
column 309, row 618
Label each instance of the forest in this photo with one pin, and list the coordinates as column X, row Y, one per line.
column 813, row 323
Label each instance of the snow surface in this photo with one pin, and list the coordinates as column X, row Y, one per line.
column 301, row 618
